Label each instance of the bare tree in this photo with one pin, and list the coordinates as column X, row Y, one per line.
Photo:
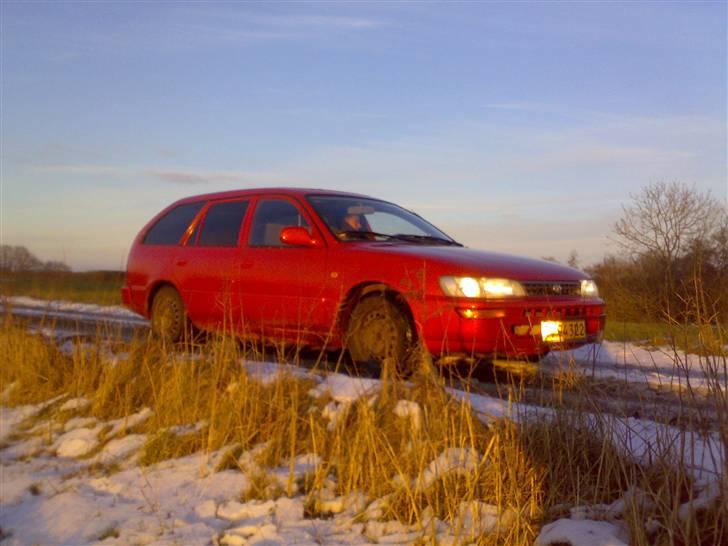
column 665, row 218
column 666, row 225
column 15, row 259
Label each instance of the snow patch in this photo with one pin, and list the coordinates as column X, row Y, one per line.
column 270, row 372
column 661, row 367
column 75, row 404
column 121, row 448
column 191, row 428
column 343, row 388
column 68, row 306
column 463, row 461
column 581, row 533
column 130, row 421
column 335, row 413
column 235, row 511
column 77, row 442
column 10, row 418
column 477, row 518
column 79, row 422
column 407, row 408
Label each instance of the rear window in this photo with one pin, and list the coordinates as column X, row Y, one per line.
column 222, row 223
column 168, row 230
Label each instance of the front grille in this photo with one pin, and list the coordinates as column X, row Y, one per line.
column 557, row 288
column 556, row 313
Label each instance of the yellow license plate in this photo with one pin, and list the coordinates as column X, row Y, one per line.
column 567, row 330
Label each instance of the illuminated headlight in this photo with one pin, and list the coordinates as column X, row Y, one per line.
column 589, row 289
column 480, row 287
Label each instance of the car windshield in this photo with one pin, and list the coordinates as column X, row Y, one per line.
column 362, row 219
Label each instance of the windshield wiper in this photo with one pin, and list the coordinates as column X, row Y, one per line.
column 364, row 235
column 425, row 239
column 407, row 238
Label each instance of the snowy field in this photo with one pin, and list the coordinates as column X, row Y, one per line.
column 54, row 491
column 50, row 494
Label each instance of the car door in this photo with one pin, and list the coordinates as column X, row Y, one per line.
column 207, row 266
column 283, row 286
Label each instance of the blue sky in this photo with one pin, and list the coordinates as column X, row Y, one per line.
column 518, row 127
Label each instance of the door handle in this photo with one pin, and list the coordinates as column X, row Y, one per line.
column 246, row 265
column 181, row 262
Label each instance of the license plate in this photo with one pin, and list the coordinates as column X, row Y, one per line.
column 568, row 330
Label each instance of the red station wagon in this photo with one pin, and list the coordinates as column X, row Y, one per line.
column 332, row 270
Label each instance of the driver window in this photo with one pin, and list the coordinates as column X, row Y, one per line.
column 271, row 216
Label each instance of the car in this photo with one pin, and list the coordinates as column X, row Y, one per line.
column 337, row 270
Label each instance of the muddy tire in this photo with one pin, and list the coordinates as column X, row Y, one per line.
column 379, row 331
column 169, row 320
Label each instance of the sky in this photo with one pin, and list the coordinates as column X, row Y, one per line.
column 517, row 127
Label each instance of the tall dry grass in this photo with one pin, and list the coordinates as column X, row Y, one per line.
column 533, row 470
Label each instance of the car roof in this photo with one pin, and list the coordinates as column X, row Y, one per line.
column 297, row 192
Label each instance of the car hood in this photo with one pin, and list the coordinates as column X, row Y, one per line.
column 466, row 261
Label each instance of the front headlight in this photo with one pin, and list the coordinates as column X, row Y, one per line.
column 480, row 287
column 589, row 289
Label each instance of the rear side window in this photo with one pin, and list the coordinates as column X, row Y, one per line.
column 222, row 224
column 169, row 228
column 271, row 216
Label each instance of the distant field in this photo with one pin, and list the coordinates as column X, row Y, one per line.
column 100, row 287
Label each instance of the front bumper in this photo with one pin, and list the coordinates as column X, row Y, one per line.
column 507, row 328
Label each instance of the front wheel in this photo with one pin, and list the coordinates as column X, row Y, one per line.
column 169, row 319
column 378, row 331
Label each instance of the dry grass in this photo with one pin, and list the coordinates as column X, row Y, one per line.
column 533, row 470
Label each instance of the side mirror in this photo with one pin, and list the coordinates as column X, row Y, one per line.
column 297, row 236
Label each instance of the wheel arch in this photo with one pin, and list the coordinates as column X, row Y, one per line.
column 367, row 288
column 153, row 289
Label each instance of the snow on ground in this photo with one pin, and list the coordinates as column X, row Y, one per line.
column 344, row 388
column 644, row 440
column 51, row 494
column 582, row 533
column 269, row 372
column 61, row 305
column 25, row 306
column 659, row 367
column 62, row 501
column 11, row 418
column 53, row 497
column 453, row 460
